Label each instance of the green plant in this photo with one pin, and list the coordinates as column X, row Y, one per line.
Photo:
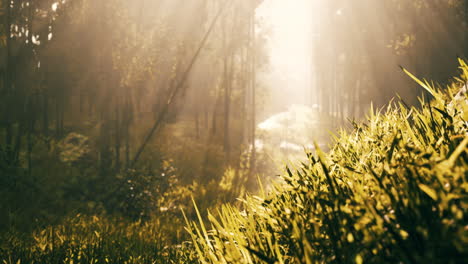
column 93, row 239
column 394, row 189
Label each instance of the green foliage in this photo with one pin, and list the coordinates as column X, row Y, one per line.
column 73, row 148
column 84, row 239
column 135, row 214
column 392, row 190
column 141, row 222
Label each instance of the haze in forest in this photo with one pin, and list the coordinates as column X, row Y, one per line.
column 289, row 40
column 126, row 114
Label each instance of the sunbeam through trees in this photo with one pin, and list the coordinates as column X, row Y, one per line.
column 233, row 131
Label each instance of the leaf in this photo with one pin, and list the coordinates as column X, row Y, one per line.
column 359, row 259
column 458, row 151
column 260, row 255
column 429, row 191
column 423, row 84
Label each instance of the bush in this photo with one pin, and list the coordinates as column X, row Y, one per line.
column 393, row 190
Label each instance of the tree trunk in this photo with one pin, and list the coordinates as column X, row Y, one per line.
column 227, row 104
column 253, row 85
column 117, row 137
column 45, row 117
column 7, row 85
column 197, row 124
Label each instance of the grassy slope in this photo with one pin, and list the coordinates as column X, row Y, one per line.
column 392, row 190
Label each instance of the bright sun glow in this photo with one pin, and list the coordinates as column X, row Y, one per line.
column 55, row 6
column 289, row 44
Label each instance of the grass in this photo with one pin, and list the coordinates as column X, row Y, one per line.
column 92, row 239
column 393, row 190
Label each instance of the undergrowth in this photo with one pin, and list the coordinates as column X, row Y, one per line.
column 393, row 190
column 92, row 239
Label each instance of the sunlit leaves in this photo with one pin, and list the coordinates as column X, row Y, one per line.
column 402, row 44
column 92, row 239
column 73, row 148
column 424, row 84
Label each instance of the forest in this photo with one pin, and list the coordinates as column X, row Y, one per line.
column 233, row 131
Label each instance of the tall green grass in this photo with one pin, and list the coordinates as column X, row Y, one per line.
column 393, row 190
column 92, row 239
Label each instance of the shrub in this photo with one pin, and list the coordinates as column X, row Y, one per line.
column 392, row 190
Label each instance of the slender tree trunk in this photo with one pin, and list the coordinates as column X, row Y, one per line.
column 227, row 97
column 18, row 141
column 82, row 96
column 128, row 116
column 197, row 124
column 57, row 116
column 30, row 118
column 243, row 84
column 106, row 107
column 206, row 118
column 45, row 117
column 62, row 115
column 214, row 115
column 8, row 82
column 117, row 137
column 253, row 85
